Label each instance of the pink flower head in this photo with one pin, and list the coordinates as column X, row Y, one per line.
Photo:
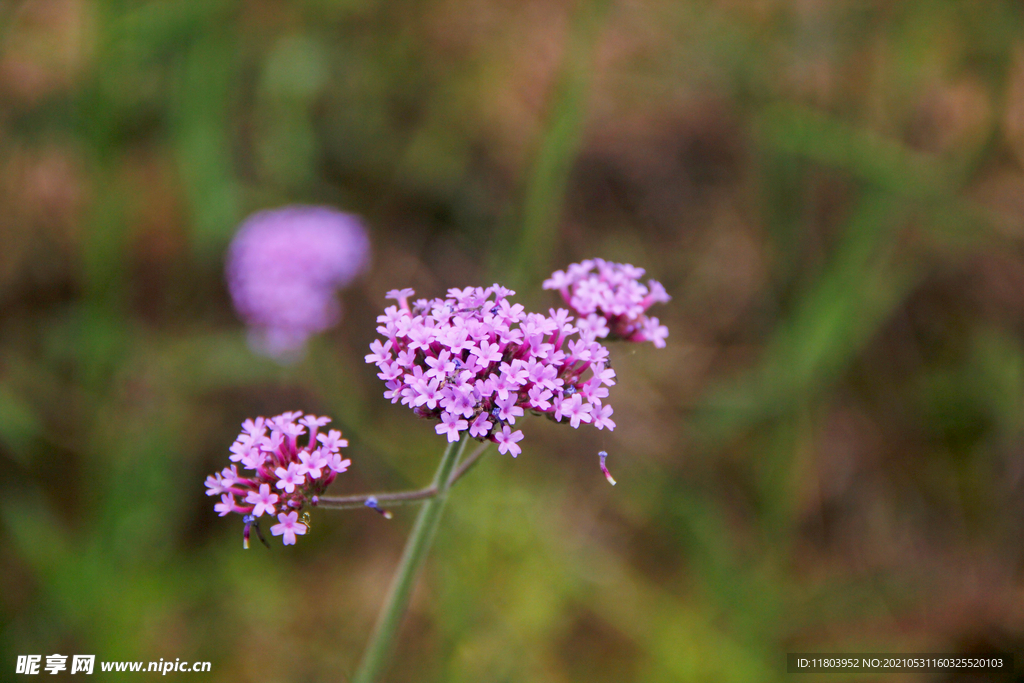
column 283, row 269
column 289, row 526
column 477, row 361
column 281, row 455
column 611, row 301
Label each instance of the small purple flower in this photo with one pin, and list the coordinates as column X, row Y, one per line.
column 610, row 301
column 216, row 485
column 451, row 425
column 539, row 397
column 440, row 366
column 312, row 463
column 283, row 269
column 314, row 423
column 380, row 352
column 332, row 441
column 481, row 426
column 429, row 394
column 226, row 505
column 338, row 465
column 487, row 353
column 300, row 472
column 507, row 439
column 289, row 478
column 508, row 410
column 602, row 416
column 576, row 410
column 263, row 501
column 289, row 526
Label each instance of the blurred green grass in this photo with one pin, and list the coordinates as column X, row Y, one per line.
column 827, row 456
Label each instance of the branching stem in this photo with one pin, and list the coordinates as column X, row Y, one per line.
column 401, row 497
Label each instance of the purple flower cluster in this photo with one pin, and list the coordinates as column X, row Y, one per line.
column 286, row 476
column 610, row 300
column 476, row 364
column 283, row 269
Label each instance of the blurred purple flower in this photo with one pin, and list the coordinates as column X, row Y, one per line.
column 283, row 268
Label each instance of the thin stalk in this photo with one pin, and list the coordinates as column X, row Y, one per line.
column 378, row 651
column 401, row 497
column 358, row 501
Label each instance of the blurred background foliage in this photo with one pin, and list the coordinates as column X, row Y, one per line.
column 827, row 456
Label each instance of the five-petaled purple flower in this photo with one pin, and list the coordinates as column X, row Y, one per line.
column 476, row 363
column 289, row 526
column 286, row 475
column 610, row 301
column 283, row 269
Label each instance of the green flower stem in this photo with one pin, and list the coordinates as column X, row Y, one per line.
column 378, row 651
